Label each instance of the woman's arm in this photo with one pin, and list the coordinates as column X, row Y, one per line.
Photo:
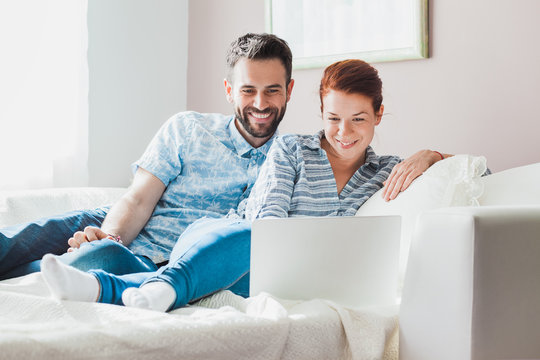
column 405, row 172
column 272, row 192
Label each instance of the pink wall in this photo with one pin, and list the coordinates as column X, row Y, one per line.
column 477, row 94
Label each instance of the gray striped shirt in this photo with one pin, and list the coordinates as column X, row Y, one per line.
column 297, row 180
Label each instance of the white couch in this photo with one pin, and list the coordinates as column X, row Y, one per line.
column 471, row 288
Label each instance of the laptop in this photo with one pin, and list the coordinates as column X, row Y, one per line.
column 353, row 261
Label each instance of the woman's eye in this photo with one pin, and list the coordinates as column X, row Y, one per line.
column 333, row 119
column 359, row 119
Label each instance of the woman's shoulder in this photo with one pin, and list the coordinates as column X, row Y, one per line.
column 388, row 162
column 389, row 159
column 298, row 141
column 380, row 162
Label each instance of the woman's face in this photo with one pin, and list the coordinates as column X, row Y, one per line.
column 349, row 123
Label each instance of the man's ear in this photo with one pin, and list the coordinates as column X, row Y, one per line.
column 228, row 91
column 289, row 89
column 378, row 115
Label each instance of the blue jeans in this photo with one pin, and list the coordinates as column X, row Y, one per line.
column 22, row 246
column 211, row 255
column 108, row 255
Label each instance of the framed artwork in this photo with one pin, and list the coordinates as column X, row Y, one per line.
column 321, row 32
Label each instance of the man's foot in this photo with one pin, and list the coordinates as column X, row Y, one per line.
column 155, row 295
column 68, row 283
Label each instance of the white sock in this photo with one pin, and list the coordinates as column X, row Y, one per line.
column 155, row 295
column 68, row 283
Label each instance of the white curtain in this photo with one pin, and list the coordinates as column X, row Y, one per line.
column 43, row 93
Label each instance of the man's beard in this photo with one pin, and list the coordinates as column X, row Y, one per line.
column 267, row 131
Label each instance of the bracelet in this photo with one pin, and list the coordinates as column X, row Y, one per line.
column 441, row 155
column 116, row 238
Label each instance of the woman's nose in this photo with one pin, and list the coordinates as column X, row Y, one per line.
column 343, row 127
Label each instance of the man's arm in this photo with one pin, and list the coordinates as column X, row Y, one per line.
column 405, row 172
column 129, row 215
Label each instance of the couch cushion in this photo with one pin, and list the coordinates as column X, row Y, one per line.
column 516, row 186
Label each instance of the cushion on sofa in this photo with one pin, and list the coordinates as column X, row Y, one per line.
column 516, row 186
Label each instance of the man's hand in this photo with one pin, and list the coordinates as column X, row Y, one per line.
column 405, row 172
column 90, row 233
column 128, row 216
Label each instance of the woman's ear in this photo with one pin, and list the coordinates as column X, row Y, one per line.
column 378, row 115
column 228, row 91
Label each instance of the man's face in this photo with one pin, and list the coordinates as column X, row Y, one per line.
column 259, row 94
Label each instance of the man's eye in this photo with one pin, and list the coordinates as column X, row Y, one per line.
column 247, row 91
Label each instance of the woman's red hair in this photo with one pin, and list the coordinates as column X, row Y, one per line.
column 352, row 77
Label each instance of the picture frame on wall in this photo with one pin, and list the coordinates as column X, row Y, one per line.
column 321, row 32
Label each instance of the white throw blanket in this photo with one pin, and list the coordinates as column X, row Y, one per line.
column 222, row 326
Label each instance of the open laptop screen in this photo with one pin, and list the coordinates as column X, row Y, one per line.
column 353, row 261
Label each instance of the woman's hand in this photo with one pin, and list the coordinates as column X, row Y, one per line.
column 405, row 172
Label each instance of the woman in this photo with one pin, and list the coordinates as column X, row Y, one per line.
column 331, row 173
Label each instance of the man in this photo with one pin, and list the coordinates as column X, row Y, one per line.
column 197, row 165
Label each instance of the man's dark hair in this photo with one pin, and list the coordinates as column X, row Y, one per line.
column 260, row 47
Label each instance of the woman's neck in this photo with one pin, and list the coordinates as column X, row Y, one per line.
column 343, row 168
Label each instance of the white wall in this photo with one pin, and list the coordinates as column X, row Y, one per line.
column 213, row 25
column 477, row 93
column 137, row 59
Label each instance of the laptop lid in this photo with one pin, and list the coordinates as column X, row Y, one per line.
column 353, row 261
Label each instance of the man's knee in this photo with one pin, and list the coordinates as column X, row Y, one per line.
column 102, row 247
column 100, row 254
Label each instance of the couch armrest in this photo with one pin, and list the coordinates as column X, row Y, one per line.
column 26, row 205
column 472, row 287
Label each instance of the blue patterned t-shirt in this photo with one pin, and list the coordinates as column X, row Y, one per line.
column 207, row 167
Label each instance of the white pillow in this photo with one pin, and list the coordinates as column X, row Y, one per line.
column 454, row 181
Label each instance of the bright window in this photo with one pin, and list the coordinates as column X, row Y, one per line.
column 43, row 93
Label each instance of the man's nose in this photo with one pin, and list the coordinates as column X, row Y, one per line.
column 260, row 101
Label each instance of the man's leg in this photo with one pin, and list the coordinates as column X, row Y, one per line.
column 109, row 256
column 211, row 255
column 22, row 244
